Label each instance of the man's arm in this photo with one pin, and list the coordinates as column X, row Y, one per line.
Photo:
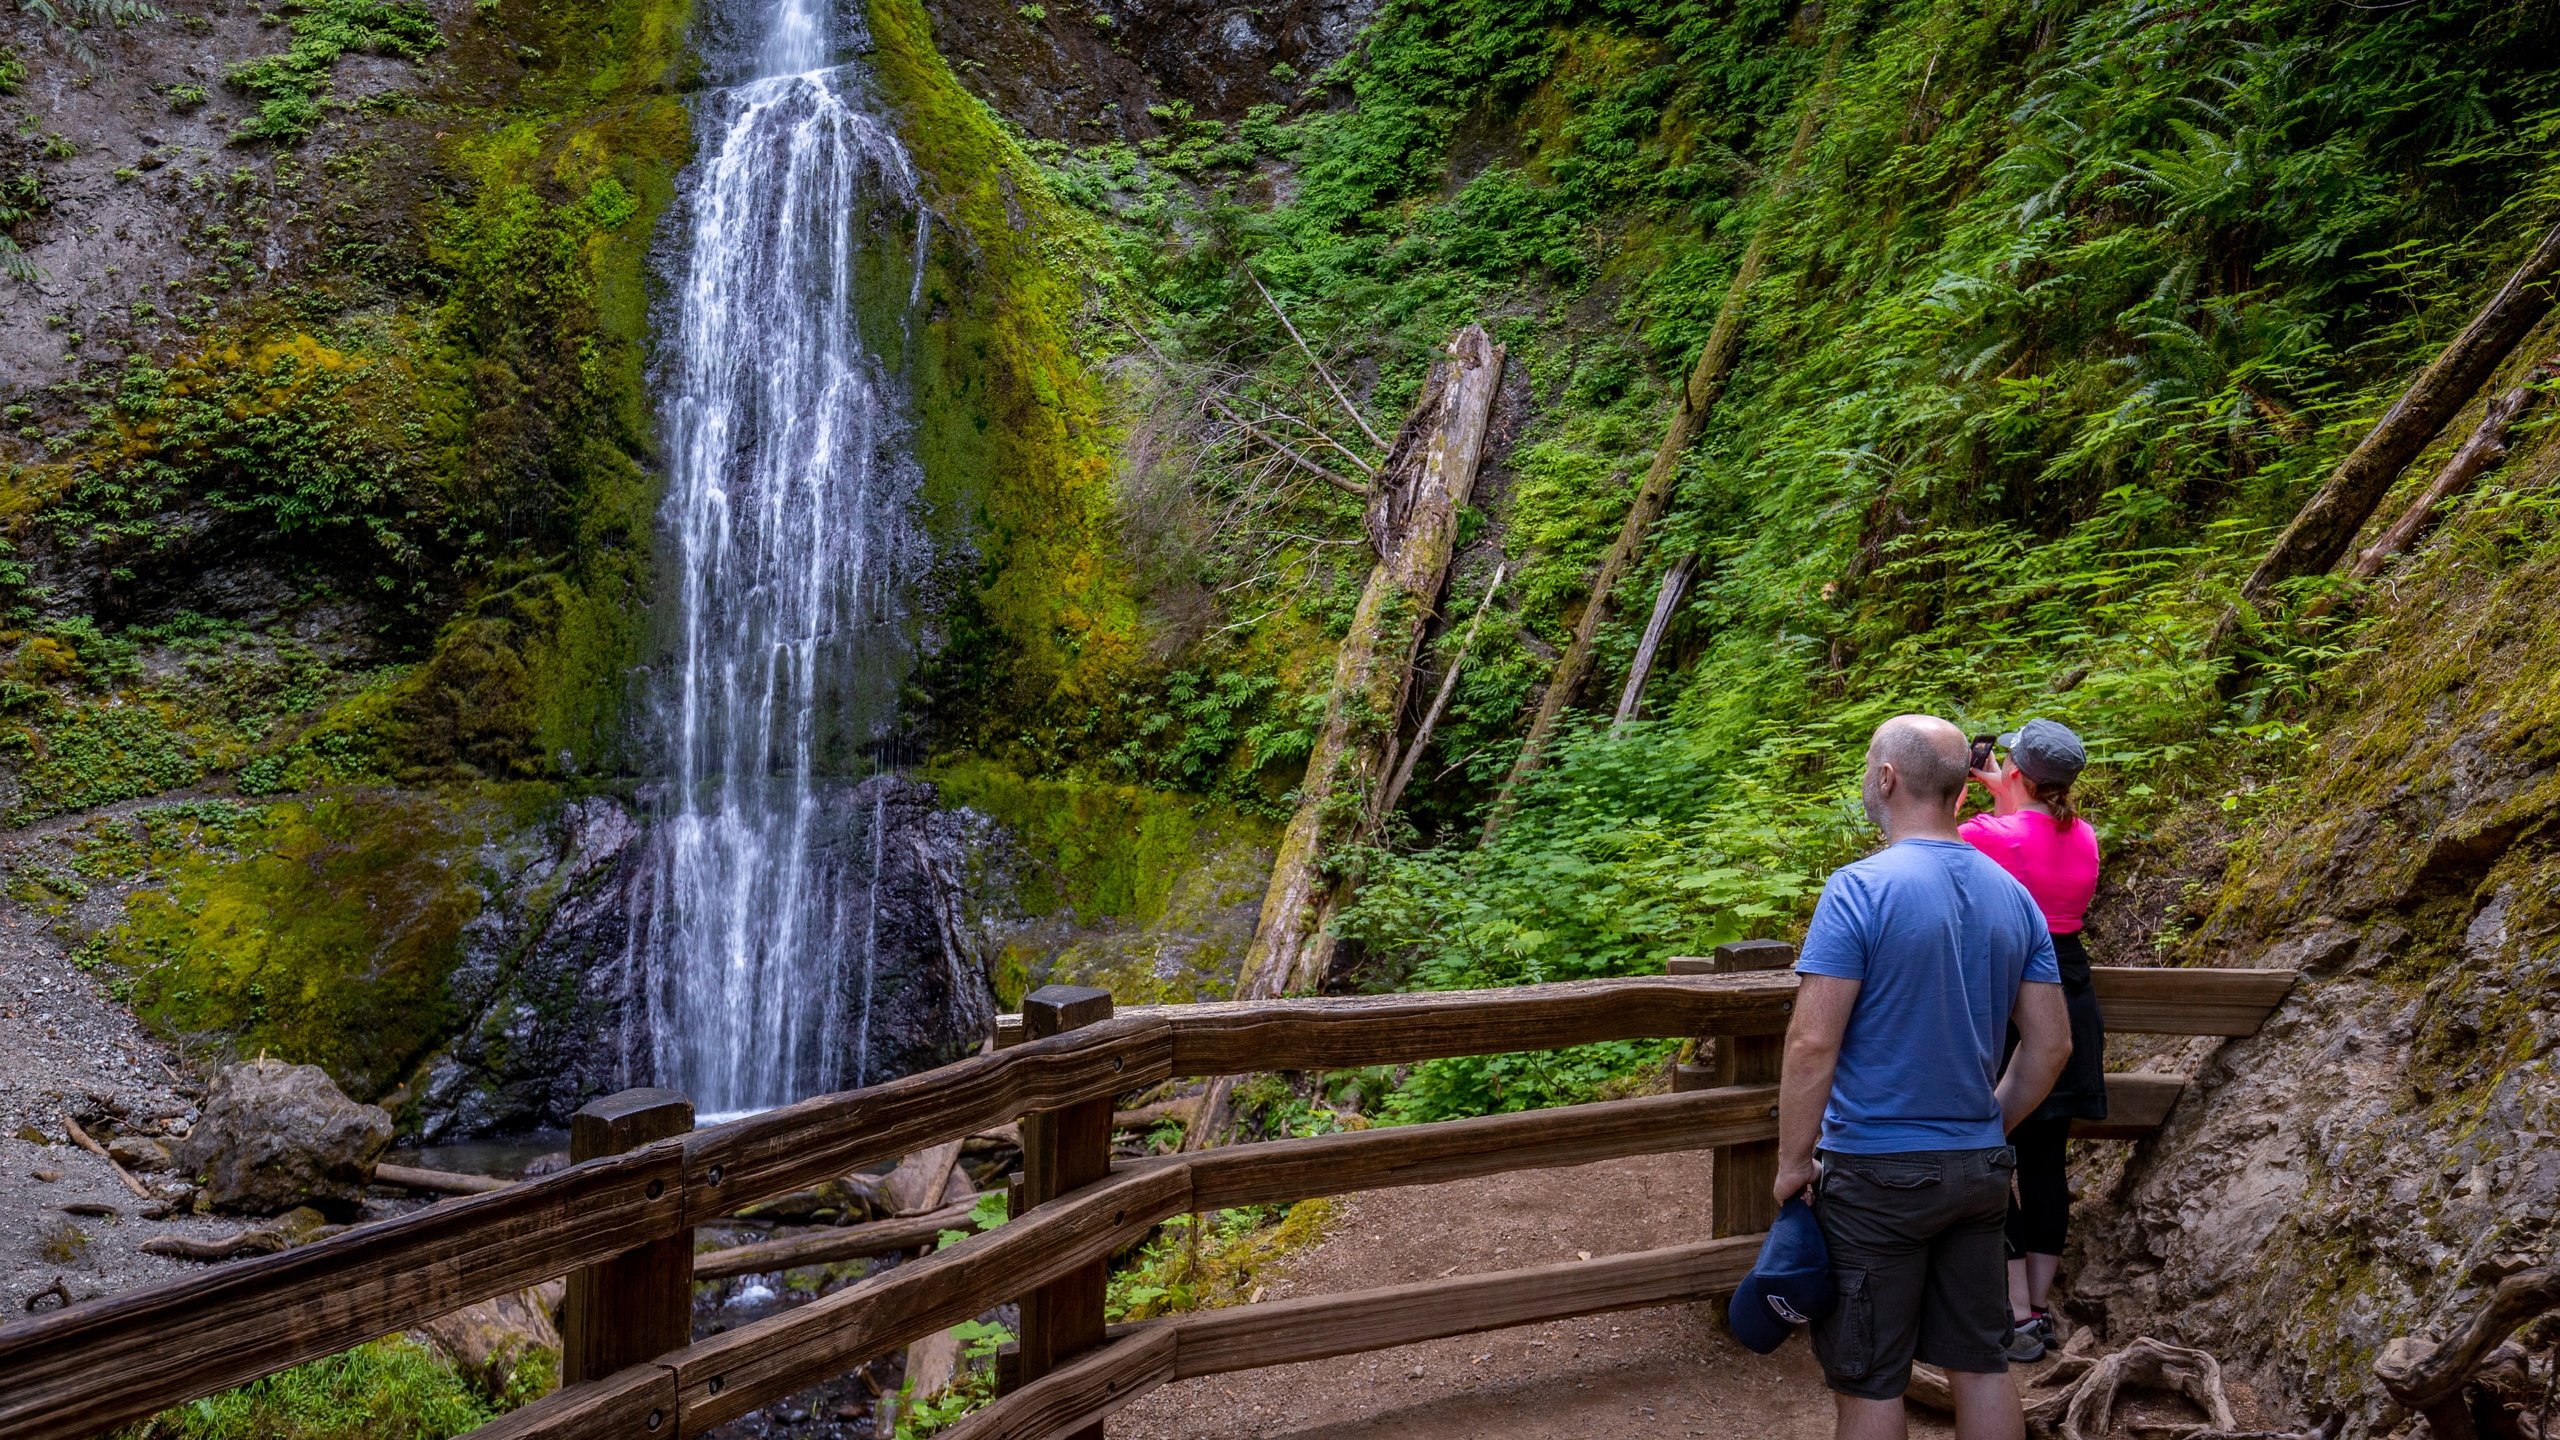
column 1823, row 1004
column 2044, row 1047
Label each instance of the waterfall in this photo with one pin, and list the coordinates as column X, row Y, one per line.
column 792, row 545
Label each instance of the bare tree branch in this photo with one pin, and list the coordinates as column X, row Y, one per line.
column 1212, row 400
column 1347, row 406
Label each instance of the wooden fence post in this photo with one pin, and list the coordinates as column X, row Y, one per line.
column 1739, row 1202
column 639, row 1304
column 1061, row 1150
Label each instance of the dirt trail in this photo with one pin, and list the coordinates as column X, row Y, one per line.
column 1664, row 1372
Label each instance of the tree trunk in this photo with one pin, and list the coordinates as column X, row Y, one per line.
column 2323, row 529
column 1666, row 603
column 1697, row 401
column 1413, row 524
column 2486, row 447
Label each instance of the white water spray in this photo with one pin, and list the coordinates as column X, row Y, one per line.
column 790, row 520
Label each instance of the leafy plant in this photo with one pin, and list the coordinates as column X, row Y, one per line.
column 394, row 1389
column 68, row 20
column 289, row 86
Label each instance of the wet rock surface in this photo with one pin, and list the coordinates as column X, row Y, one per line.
column 1085, row 72
column 276, row 1136
column 546, row 979
column 556, row 975
column 2389, row 1145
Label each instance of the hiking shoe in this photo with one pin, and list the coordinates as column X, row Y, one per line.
column 2047, row 1331
column 2026, row 1343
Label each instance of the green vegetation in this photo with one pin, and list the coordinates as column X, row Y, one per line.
column 270, row 438
column 2066, row 314
column 394, row 1389
column 68, row 20
column 1014, row 436
column 22, row 199
column 288, row 87
column 1205, row 1262
column 322, row 930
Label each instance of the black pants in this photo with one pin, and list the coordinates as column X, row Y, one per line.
column 2040, row 1212
column 1915, row 1251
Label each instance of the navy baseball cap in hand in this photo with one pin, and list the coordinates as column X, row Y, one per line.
column 1789, row 1285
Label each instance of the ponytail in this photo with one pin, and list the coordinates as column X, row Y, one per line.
column 2056, row 798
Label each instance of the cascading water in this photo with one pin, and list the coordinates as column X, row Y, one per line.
column 792, row 548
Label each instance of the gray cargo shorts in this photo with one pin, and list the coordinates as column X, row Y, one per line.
column 1917, row 1253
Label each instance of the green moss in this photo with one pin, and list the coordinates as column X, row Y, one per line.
column 1013, row 431
column 396, row 1389
column 289, row 86
column 1137, row 889
column 1109, row 851
column 321, row 931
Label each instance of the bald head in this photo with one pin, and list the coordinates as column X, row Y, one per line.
column 1916, row 767
column 1927, row 752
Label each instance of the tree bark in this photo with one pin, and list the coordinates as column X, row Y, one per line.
column 2325, row 526
column 1697, row 401
column 1666, row 603
column 1413, row 524
column 2486, row 447
column 1439, row 705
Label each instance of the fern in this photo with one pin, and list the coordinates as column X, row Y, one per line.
column 69, row 19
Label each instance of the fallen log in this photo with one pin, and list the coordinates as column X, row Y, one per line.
column 851, row 1242
column 437, row 1182
column 2428, row 1377
column 1412, row 520
column 1179, row 1108
column 2326, row 525
column 1413, row 523
column 2486, row 447
column 917, row 1185
column 1666, row 603
column 1653, row 495
column 234, row 1246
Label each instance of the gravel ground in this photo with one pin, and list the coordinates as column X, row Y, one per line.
column 67, row 1049
column 1665, row 1372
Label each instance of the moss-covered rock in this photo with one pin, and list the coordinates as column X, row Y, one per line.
column 2361, row 1164
column 321, row 930
column 1150, row 895
column 1014, row 429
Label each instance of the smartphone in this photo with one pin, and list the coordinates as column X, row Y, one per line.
column 1982, row 752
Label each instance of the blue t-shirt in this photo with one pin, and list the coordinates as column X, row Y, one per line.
column 1941, row 938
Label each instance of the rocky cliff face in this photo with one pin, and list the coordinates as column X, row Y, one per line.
column 1083, row 71
column 554, row 978
column 2390, row 1144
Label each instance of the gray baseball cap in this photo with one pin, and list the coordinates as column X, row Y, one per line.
column 2046, row 752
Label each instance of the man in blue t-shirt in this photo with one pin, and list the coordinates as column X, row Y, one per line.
column 1919, row 959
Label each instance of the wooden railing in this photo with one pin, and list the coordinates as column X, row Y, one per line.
column 84, row 1370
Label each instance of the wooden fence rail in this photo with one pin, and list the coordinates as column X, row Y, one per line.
column 86, row 1369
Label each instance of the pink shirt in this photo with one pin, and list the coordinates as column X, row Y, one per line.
column 2058, row 867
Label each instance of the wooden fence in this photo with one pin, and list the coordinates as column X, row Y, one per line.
column 620, row 1224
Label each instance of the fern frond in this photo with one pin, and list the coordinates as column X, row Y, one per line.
column 67, row 19
column 15, row 264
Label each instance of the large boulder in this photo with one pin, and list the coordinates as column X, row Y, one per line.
column 275, row 1136
column 508, row 1345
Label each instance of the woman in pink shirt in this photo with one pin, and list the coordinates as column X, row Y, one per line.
column 2035, row 835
